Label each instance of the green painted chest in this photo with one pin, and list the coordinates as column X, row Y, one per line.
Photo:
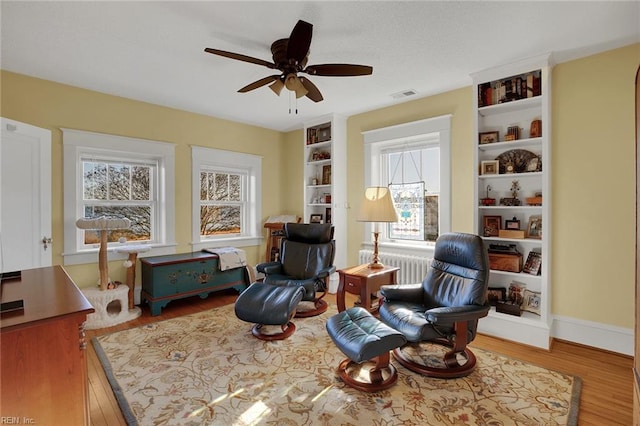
column 171, row 277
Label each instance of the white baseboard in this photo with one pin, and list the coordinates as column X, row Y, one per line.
column 589, row 333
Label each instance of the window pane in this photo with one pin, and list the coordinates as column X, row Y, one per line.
column 234, row 188
column 140, row 183
column 119, row 182
column 204, row 186
column 431, row 206
column 140, row 217
column 221, row 187
column 211, row 186
column 94, row 180
column 219, row 220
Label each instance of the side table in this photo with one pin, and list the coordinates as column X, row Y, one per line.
column 363, row 280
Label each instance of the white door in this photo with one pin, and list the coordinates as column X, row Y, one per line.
column 25, row 196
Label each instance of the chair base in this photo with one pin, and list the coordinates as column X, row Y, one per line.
column 287, row 330
column 320, row 307
column 453, row 367
column 376, row 380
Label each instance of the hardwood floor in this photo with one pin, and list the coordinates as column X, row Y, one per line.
column 606, row 398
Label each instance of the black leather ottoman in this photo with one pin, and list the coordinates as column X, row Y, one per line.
column 362, row 337
column 266, row 304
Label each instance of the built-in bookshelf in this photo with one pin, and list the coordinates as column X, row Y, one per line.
column 325, row 177
column 512, row 123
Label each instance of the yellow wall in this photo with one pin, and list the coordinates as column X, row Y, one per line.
column 52, row 106
column 593, row 139
column 593, row 212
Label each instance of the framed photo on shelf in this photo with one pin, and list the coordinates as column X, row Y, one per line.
column 516, row 292
column 533, row 265
column 488, row 137
column 531, row 301
column 491, row 225
column 534, row 229
column 490, row 167
column 513, row 224
column 326, row 174
column 496, row 294
column 315, row 218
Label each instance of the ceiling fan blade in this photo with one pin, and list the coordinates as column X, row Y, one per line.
column 312, row 91
column 299, row 41
column 338, row 70
column 240, row 57
column 259, row 83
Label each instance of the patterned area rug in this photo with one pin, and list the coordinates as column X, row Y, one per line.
column 207, row 369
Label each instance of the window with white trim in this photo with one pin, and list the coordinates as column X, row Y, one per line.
column 117, row 177
column 118, row 188
column 226, row 198
column 413, row 160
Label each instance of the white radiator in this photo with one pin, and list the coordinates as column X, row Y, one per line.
column 413, row 269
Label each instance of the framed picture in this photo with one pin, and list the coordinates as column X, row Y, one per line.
column 328, row 214
column 531, row 301
column 315, row 218
column 516, row 292
column 326, row 174
column 491, row 225
column 488, row 137
column 512, row 224
column 534, row 229
column 496, row 294
column 491, row 167
column 533, row 265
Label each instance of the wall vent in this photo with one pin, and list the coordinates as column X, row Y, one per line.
column 404, row 94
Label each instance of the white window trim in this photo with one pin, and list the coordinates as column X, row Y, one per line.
column 374, row 143
column 227, row 160
column 75, row 142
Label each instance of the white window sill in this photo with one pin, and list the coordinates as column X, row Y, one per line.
column 91, row 256
column 227, row 242
column 417, row 249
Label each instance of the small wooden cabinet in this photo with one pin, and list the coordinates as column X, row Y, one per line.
column 43, row 349
column 363, row 281
column 167, row 278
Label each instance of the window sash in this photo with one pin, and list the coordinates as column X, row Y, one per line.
column 249, row 168
column 79, row 146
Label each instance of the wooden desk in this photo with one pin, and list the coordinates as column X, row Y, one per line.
column 43, row 348
column 364, row 281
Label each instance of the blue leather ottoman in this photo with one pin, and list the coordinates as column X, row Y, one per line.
column 266, row 304
column 362, row 337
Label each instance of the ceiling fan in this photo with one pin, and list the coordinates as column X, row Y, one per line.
column 290, row 56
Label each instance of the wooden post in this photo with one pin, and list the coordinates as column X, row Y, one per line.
column 102, row 261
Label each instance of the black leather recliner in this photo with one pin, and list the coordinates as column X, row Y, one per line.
column 445, row 308
column 307, row 252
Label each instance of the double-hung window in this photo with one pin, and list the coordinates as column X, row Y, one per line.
column 226, row 198
column 119, row 188
column 413, row 160
column 117, row 177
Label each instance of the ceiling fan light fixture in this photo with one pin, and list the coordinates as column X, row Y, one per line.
column 277, row 86
column 293, row 83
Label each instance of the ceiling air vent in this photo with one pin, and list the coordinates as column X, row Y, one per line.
column 404, row 94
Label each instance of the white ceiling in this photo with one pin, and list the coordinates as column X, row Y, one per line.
column 153, row 51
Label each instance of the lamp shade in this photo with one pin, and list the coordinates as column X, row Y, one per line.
column 377, row 206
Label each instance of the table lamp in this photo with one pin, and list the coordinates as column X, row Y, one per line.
column 377, row 206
